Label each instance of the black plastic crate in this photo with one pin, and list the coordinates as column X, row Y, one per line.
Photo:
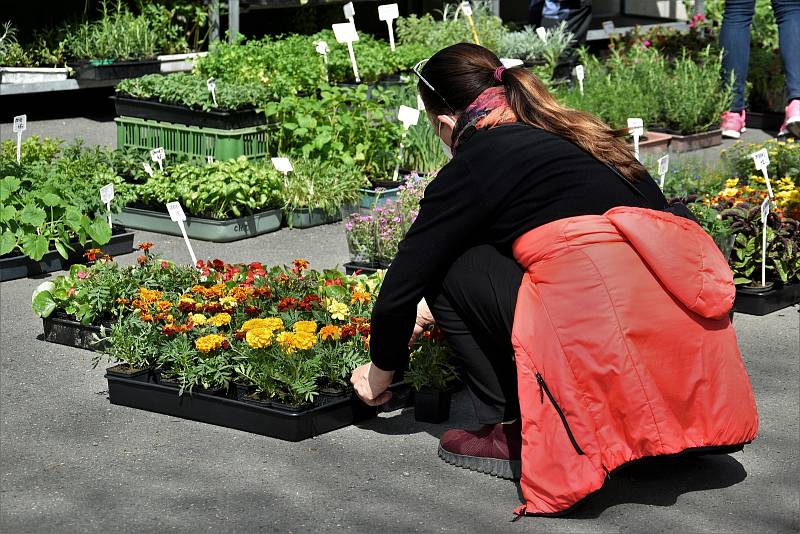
column 118, row 70
column 767, row 302
column 177, row 114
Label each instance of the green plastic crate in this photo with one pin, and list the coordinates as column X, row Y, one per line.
column 191, row 141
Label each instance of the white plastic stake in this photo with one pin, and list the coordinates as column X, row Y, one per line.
column 608, row 27
column 409, row 117
column 765, row 206
column 346, row 33
column 388, row 13
column 420, row 103
column 636, row 128
column 282, row 165
column 20, row 125
column 106, row 196
column 579, row 74
column 158, row 155
column 542, row 33
column 466, row 8
column 663, row 167
column 350, row 12
column 178, row 216
column 761, row 161
column 212, row 88
column 210, row 159
column 322, row 49
column 147, row 168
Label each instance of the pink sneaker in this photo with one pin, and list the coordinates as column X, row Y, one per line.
column 791, row 122
column 733, row 124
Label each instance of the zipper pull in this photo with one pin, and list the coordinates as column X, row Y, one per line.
column 519, row 513
column 540, row 381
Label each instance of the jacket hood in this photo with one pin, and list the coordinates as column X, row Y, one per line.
column 683, row 257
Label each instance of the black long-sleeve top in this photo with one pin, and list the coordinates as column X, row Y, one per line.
column 502, row 183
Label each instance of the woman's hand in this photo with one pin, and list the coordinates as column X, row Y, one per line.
column 424, row 319
column 370, row 384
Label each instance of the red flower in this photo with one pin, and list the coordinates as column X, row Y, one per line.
column 218, row 264
column 145, row 246
column 239, row 335
column 263, row 292
column 348, row 331
column 251, row 310
column 141, row 260
column 308, row 302
column 299, row 265
column 200, row 264
column 287, row 303
column 92, row 254
column 170, row 329
column 83, row 275
column 333, row 282
column 256, row 265
column 364, row 330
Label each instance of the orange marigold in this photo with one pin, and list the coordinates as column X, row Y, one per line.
column 330, row 331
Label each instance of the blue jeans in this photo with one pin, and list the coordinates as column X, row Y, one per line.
column 734, row 38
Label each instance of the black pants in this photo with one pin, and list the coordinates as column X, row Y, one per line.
column 578, row 16
column 474, row 307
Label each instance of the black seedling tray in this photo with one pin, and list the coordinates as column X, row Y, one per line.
column 352, row 267
column 64, row 330
column 118, row 70
column 177, row 114
column 250, row 417
column 770, row 301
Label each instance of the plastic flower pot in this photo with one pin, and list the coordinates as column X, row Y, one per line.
column 431, row 405
column 692, row 142
column 65, row 330
column 379, row 196
column 125, row 371
column 762, row 300
column 308, row 218
column 329, row 394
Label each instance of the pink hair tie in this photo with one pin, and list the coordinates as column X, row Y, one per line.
column 498, row 74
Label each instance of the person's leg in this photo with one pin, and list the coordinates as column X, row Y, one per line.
column 787, row 15
column 474, row 308
column 578, row 16
column 734, row 39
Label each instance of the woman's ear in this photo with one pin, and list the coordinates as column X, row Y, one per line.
column 446, row 125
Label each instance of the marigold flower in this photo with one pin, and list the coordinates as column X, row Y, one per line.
column 303, row 340
column 348, row 331
column 299, row 265
column 141, row 260
column 170, row 329
column 305, row 326
column 92, row 254
column 360, row 297
column 252, row 310
column 211, row 342
column 147, row 317
column 163, row 305
column 145, row 246
column 330, row 331
column 165, row 265
column 258, row 338
column 220, row 319
column 269, row 323
column 123, row 301
column 287, row 303
column 338, row 310
column 240, row 293
column 150, row 295
column 286, row 341
column 198, row 318
column 228, row 303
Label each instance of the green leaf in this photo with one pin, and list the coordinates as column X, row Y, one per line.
column 8, row 185
column 34, row 246
column 99, row 231
column 50, row 199
column 43, row 303
column 61, row 249
column 32, row 215
column 7, row 242
column 7, row 213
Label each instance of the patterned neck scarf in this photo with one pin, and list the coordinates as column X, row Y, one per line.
column 490, row 109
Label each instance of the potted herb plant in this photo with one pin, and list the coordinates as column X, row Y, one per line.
column 432, row 377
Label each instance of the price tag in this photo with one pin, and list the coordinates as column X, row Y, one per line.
column 511, row 62
column 147, row 168
column 542, row 33
column 349, row 11
column 420, row 103
column 466, row 8
column 636, row 128
column 608, row 27
column 212, row 88
column 178, row 216
column 346, row 33
column 20, row 125
column 158, row 155
column 579, row 74
column 663, row 167
column 388, row 13
column 408, row 116
column 282, row 165
column 761, row 161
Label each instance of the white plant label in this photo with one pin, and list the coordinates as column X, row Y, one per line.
column 466, row 8
column 158, row 155
column 408, row 116
column 663, row 168
column 346, row 33
column 542, row 33
column 761, row 161
column 106, row 196
column 282, row 165
column 212, row 88
column 765, row 206
column 210, row 159
column 580, row 74
column 420, row 103
column 608, row 27
column 322, row 49
column 511, row 62
column 147, row 168
column 388, row 13
column 20, row 125
column 349, row 12
column 636, row 128
column 178, row 216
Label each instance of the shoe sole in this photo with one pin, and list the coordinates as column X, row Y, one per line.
column 793, row 125
column 507, row 469
column 731, row 134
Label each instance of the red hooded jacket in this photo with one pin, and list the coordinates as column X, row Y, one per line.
column 624, row 349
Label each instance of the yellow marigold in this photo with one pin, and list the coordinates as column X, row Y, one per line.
column 360, row 297
column 198, row 319
column 258, row 338
column 303, row 340
column 240, row 293
column 305, row 326
column 286, row 341
column 731, row 182
column 338, row 310
column 163, row 305
column 228, row 302
column 330, row 332
column 270, row 323
column 209, row 343
column 150, row 295
column 220, row 319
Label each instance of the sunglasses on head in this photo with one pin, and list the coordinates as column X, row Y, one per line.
column 416, row 70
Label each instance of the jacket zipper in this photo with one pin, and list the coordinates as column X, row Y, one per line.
column 544, row 389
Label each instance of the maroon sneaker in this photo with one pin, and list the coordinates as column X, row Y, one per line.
column 492, row 449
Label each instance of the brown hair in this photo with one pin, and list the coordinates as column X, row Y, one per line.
column 461, row 72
